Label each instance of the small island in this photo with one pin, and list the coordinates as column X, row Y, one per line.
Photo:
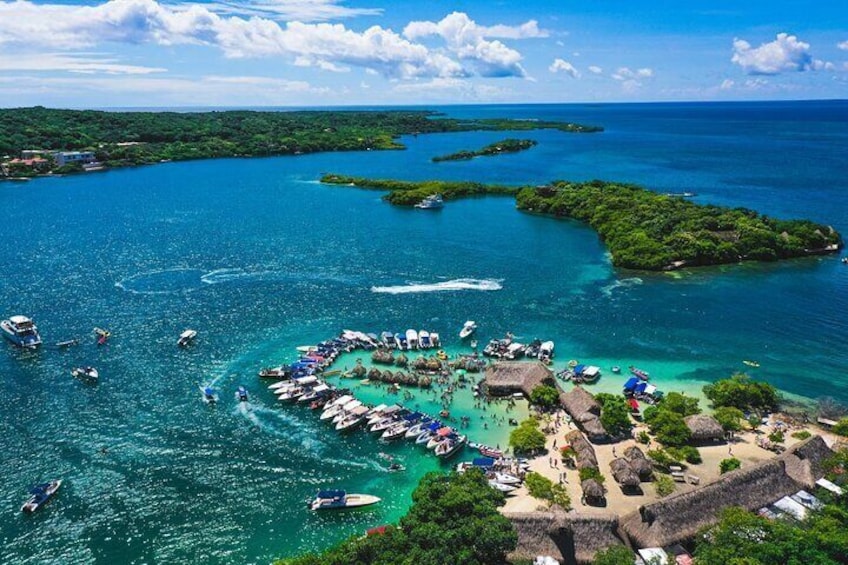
column 39, row 141
column 508, row 145
column 643, row 229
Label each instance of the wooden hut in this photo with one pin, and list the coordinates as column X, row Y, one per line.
column 681, row 516
column 704, row 428
column 568, row 538
column 586, row 412
column 624, row 475
column 593, row 492
column 508, row 377
column 584, row 453
column 639, row 463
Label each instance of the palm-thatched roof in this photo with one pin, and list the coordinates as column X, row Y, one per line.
column 624, row 474
column 592, row 490
column 584, row 453
column 585, row 411
column 704, row 428
column 507, row 377
column 679, row 517
column 639, row 463
column 569, row 538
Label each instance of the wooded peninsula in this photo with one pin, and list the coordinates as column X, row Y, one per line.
column 498, row 148
column 115, row 139
column 643, row 229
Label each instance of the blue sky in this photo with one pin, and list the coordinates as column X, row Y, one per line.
column 125, row 53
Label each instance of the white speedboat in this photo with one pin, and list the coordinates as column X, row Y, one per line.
column 334, row 407
column 378, row 415
column 434, row 339
column 416, row 430
column 86, row 373
column 21, row 331
column 439, row 436
column 375, row 412
column 336, row 499
column 186, row 338
column 467, row 329
column 450, row 447
column 506, row 479
column 352, row 419
column 424, row 340
column 411, row 339
column 396, row 430
column 311, row 395
column 432, row 202
column 293, row 393
column 382, row 424
column 40, row 495
column 347, row 409
column 501, row 487
column 546, row 351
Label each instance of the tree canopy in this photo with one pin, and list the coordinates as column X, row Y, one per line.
column 498, row 148
column 545, row 396
column 527, row 438
column 615, row 414
column 453, row 519
column 740, row 391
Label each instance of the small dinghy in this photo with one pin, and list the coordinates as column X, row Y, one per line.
column 241, row 394
column 187, row 338
column 210, row 395
column 40, row 495
column 86, row 374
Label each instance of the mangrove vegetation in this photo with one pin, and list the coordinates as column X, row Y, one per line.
column 643, row 229
column 498, row 148
column 136, row 138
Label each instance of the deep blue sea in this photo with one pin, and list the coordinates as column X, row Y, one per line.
column 259, row 257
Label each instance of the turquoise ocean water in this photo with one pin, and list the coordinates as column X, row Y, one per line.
column 259, row 257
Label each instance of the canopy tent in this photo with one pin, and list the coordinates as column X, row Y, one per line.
column 631, row 383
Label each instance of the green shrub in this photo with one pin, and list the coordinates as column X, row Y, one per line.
column 545, row 396
column 841, row 427
column 614, row 555
column 730, row 418
column 663, row 458
column 643, row 437
column 728, row 465
column 591, row 473
column 687, row 453
column 802, row 435
column 741, row 392
column 664, row 485
column 527, row 438
column 776, row 437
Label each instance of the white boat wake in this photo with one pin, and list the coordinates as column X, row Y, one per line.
column 452, row 285
column 623, row 283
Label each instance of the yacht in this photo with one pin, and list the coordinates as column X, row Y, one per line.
column 399, row 428
column 434, row 339
column 416, row 430
column 502, row 487
column 424, row 340
column 21, row 331
column 335, row 499
column 334, row 407
column 186, row 338
column 40, row 495
column 546, row 352
column 432, row 202
column 348, row 409
column 353, row 418
column 467, row 329
column 316, row 392
column 450, row 446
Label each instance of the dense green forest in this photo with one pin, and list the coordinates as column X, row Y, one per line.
column 498, row 148
column 453, row 519
column 134, row 138
column 642, row 229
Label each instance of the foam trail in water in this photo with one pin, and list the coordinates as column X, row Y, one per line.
column 623, row 283
column 452, row 285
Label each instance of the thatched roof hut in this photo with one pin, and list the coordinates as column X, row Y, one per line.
column 359, row 370
column 593, row 491
column 639, row 463
column 704, row 428
column 425, row 382
column 569, row 538
column 433, row 364
column 374, row 374
column 401, row 360
column 680, row 516
column 420, row 362
column 508, row 377
column 584, row 453
column 624, row 474
column 585, row 411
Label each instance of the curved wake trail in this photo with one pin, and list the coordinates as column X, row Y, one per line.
column 447, row 286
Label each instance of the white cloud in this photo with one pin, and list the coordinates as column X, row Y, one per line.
column 594, row 69
column 451, row 89
column 300, row 10
column 726, row 84
column 843, row 45
column 785, row 54
column 331, row 47
column 88, row 63
column 625, row 74
column 560, row 65
column 468, row 41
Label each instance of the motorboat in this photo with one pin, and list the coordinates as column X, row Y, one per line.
column 316, row 392
column 507, row 479
column 210, row 395
column 186, row 338
column 395, row 468
column 532, row 350
column 434, row 339
column 40, row 494
column 281, row 385
column 450, row 447
column 388, row 340
column 376, row 412
column 432, row 202
column 336, row 499
column 67, row 343
column 378, row 415
column 546, row 352
column 292, row 394
column 306, row 348
column 411, row 339
column 352, row 419
column 424, row 339
column 102, row 335
column 416, row 430
column 85, row 373
column 384, row 423
column 335, row 406
column 467, row 329
column 501, row 487
column 644, row 375
column 21, row 331
column 400, row 427
column 441, row 435
column 281, row 372
column 616, row 369
column 347, row 409
column 241, row 394
column 514, row 351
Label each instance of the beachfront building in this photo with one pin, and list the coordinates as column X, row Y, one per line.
column 567, row 537
column 585, row 411
column 63, row 158
column 510, row 377
column 704, row 428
